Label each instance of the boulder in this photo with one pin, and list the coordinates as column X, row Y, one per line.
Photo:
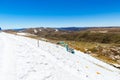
column 118, row 61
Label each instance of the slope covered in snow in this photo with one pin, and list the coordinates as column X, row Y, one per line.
column 21, row 59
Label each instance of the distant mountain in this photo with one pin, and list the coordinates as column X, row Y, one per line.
column 20, row 29
column 73, row 28
column 68, row 28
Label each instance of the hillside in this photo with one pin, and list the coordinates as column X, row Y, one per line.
column 102, row 43
column 22, row 59
column 101, row 35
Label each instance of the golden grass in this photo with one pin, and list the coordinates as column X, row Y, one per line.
column 105, row 59
column 90, row 45
column 84, row 45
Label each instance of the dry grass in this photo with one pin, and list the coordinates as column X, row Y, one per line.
column 11, row 32
column 90, row 45
column 85, row 45
column 105, row 59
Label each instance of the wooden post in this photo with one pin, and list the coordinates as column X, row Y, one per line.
column 38, row 43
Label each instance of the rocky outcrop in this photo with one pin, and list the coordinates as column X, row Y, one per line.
column 111, row 52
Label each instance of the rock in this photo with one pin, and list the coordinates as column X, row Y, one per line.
column 116, row 65
column 94, row 55
column 112, row 57
column 89, row 52
column 118, row 61
column 117, row 57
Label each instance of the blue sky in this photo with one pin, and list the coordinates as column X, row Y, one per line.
column 59, row 13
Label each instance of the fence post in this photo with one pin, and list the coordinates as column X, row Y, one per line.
column 37, row 42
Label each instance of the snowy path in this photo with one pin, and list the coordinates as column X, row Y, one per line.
column 21, row 59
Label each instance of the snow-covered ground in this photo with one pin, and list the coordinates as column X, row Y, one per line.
column 22, row 59
column 25, row 34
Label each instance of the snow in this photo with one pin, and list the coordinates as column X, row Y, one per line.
column 22, row 34
column 35, row 31
column 21, row 59
column 7, row 68
column 56, row 30
column 40, row 30
column 25, row 34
